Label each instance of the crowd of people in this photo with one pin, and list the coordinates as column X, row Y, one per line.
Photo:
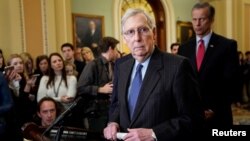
column 148, row 94
column 29, row 92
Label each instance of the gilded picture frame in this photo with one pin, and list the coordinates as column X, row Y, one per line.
column 82, row 27
column 184, row 31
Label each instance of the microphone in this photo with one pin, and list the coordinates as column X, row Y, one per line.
column 64, row 114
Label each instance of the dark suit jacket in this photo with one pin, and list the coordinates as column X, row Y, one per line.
column 79, row 67
column 6, row 101
column 168, row 102
column 217, row 76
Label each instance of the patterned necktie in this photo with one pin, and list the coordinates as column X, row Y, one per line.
column 200, row 54
column 135, row 90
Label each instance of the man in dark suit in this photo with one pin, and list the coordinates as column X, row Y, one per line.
column 218, row 70
column 95, row 84
column 168, row 106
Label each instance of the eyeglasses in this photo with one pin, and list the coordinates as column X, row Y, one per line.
column 141, row 30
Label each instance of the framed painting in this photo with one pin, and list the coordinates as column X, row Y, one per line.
column 87, row 30
column 184, row 31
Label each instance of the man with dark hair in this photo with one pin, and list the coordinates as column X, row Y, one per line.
column 96, row 82
column 46, row 114
column 174, row 48
column 47, row 111
column 107, row 42
column 68, row 53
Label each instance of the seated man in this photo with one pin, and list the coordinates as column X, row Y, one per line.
column 47, row 111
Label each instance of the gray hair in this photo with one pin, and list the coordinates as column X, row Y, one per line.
column 132, row 12
column 211, row 10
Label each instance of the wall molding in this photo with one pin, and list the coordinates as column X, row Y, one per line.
column 44, row 26
column 245, row 27
column 22, row 26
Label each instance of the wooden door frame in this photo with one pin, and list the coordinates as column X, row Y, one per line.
column 160, row 20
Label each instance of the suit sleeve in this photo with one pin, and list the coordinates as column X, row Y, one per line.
column 86, row 83
column 5, row 96
column 231, row 69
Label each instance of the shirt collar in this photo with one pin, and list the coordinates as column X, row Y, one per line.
column 205, row 39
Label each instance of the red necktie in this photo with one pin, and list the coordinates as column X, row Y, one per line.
column 200, row 54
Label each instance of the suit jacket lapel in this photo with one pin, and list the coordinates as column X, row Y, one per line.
column 150, row 80
column 193, row 55
column 125, row 81
column 190, row 52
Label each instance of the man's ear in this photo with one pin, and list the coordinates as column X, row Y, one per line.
column 38, row 114
column 154, row 32
column 110, row 48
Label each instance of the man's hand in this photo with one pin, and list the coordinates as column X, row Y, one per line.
column 209, row 114
column 110, row 131
column 139, row 134
column 106, row 89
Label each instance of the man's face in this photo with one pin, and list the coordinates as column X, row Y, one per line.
column 78, row 55
column 47, row 113
column 174, row 50
column 113, row 54
column 68, row 53
column 139, row 37
column 201, row 22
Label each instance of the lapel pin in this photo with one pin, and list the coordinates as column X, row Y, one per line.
column 211, row 45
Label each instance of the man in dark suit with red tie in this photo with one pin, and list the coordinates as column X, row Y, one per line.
column 217, row 67
column 166, row 104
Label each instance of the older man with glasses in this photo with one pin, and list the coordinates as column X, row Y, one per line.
column 155, row 96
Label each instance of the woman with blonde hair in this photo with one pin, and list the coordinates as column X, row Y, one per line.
column 87, row 54
column 21, row 87
column 28, row 63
